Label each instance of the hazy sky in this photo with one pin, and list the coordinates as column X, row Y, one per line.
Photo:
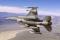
column 46, row 7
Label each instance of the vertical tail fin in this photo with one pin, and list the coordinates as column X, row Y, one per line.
column 32, row 12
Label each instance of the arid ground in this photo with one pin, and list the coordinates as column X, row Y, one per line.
column 14, row 31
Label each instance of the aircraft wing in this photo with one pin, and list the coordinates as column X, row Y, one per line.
column 17, row 18
column 14, row 18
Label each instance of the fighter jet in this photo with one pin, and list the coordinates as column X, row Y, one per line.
column 31, row 19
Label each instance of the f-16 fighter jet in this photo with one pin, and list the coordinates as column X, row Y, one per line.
column 31, row 19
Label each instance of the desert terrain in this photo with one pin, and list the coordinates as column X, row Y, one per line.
column 15, row 31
